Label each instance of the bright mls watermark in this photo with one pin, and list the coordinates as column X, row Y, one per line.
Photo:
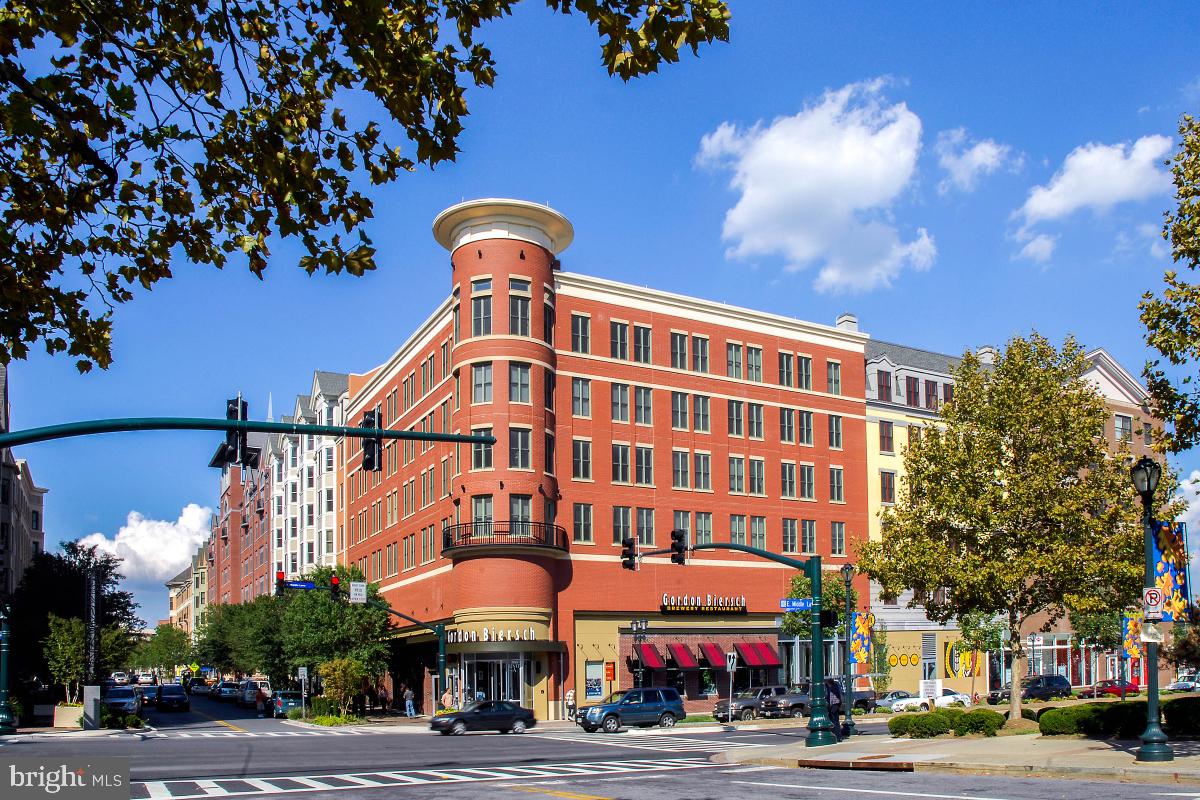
column 92, row 778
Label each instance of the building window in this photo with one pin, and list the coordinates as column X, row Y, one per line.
column 618, row 341
column 518, row 311
column 835, row 431
column 704, row 527
column 643, row 474
column 581, row 397
column 548, row 385
column 1124, row 428
column 758, row 532
column 581, row 459
column 703, row 472
column 679, row 359
column 808, row 536
column 581, row 334
column 620, row 463
column 787, row 480
column 700, row 413
column 887, row 441
column 548, row 321
column 520, row 512
column 481, row 383
column 947, row 393
column 682, row 521
column 833, row 375
column 754, row 363
column 883, row 385
column 787, row 425
column 645, row 526
column 791, row 542
column 887, row 487
column 806, row 428
column 735, row 413
column 481, row 308
column 837, row 492
column 931, row 395
column 679, row 410
column 641, row 344
column 328, row 459
column 754, row 420
column 622, row 524
column 737, row 528
column 733, row 360
column 737, row 475
column 643, row 408
column 756, row 476
column 549, row 442
column 679, row 469
column 1147, row 432
column 519, row 449
column 785, row 369
column 807, row 482
column 620, row 402
column 804, row 372
column 837, row 538
column 583, row 523
column 518, row 382
column 912, row 392
column 700, row 354
column 481, row 508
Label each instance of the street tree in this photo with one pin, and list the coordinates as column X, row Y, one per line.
column 64, row 653
column 1012, row 505
column 134, row 134
column 342, row 679
column 833, row 595
column 1100, row 628
column 167, row 648
column 980, row 633
column 1184, row 649
column 318, row 629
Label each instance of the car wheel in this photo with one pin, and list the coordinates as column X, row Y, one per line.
column 747, row 715
column 924, row 706
column 588, row 728
column 444, row 733
column 611, row 724
column 518, row 727
column 666, row 721
column 798, row 713
column 458, row 728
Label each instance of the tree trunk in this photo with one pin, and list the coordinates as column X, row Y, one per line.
column 1018, row 657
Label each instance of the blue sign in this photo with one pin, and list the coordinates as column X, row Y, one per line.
column 796, row 604
column 300, row 584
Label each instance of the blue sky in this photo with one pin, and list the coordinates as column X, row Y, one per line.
column 952, row 175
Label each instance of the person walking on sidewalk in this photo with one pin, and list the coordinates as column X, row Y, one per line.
column 260, row 701
column 409, row 710
column 570, row 698
column 447, row 700
column 833, row 690
column 384, row 698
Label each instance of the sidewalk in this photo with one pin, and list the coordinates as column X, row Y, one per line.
column 1029, row 755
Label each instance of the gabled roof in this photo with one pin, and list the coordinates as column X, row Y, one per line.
column 330, row 384
column 1115, row 382
column 181, row 578
column 903, row 356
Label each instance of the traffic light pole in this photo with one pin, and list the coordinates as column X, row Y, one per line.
column 820, row 727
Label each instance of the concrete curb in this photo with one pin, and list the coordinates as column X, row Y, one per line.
column 76, row 734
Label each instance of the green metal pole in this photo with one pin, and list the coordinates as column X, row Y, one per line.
column 848, row 692
column 440, row 630
column 1154, row 740
column 8, row 724
column 820, row 728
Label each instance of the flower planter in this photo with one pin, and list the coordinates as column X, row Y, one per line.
column 68, row 716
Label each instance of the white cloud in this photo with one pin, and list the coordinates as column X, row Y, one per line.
column 966, row 161
column 1189, row 489
column 816, row 187
column 1100, row 176
column 155, row 549
column 1039, row 249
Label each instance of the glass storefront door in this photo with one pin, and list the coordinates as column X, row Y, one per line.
column 498, row 676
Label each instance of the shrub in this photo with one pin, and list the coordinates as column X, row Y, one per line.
column 926, row 726
column 133, row 721
column 295, row 713
column 1058, row 722
column 1182, row 715
column 1029, row 713
column 899, row 725
column 331, row 721
column 951, row 714
column 883, row 710
column 1124, row 720
column 979, row 720
column 324, row 707
column 1089, row 718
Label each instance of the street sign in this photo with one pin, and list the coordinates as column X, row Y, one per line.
column 300, row 584
column 1152, row 603
column 1151, row 633
column 358, row 591
column 731, row 661
column 1038, row 640
column 194, row 667
column 302, row 673
column 796, row 604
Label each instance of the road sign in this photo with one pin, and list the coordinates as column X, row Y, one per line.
column 1038, row 640
column 1152, row 603
column 302, row 673
column 731, row 661
column 610, row 670
column 796, row 604
column 1151, row 633
column 358, row 591
column 300, row 584
column 194, row 667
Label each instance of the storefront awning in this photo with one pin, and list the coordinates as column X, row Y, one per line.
column 648, row 655
column 682, row 656
column 767, row 654
column 750, row 656
column 713, row 654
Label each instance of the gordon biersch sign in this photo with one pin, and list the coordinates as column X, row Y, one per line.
column 703, row 604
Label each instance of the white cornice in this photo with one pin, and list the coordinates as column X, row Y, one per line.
column 1104, row 363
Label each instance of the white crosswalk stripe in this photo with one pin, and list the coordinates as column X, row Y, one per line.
column 245, row 734
column 274, row 785
column 679, row 744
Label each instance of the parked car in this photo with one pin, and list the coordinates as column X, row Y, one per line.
column 745, row 704
column 172, row 697
column 145, row 679
column 1034, row 687
column 488, row 715
column 120, row 678
column 948, row 698
column 225, row 690
column 124, row 700
column 197, row 686
column 886, row 700
column 793, row 703
column 283, row 702
column 248, row 691
column 1187, row 682
column 1110, row 688
column 660, row 706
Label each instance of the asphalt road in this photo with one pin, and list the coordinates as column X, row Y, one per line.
column 219, row 750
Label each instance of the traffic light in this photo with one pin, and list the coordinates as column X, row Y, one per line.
column 279, row 583
column 829, row 618
column 678, row 546
column 372, row 446
column 335, row 587
column 236, row 449
column 629, row 553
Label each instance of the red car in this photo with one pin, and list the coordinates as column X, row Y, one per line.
column 1111, row 688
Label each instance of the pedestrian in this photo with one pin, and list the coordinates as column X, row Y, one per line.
column 833, row 691
column 409, row 696
column 260, row 701
column 372, row 697
column 384, row 698
column 570, row 698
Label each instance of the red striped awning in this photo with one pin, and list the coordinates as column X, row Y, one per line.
column 750, row 656
column 682, row 656
column 767, row 654
column 648, row 655
column 713, row 654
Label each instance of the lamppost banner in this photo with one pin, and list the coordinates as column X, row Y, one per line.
column 1131, row 635
column 860, row 636
column 1169, row 553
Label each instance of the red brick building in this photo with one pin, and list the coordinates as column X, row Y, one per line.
column 239, row 548
column 617, row 411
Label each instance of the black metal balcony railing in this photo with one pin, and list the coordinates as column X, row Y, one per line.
column 505, row 532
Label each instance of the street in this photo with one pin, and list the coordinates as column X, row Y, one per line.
column 220, row 750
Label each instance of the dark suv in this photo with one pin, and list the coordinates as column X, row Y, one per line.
column 745, row 705
column 660, row 706
column 1034, row 687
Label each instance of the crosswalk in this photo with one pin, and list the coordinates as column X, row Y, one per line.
column 250, row 787
column 671, row 742
column 230, row 734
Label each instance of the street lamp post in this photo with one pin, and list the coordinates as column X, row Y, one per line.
column 848, row 690
column 8, row 724
column 1145, row 474
column 639, row 626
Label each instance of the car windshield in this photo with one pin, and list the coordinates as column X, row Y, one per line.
column 288, row 695
column 120, row 694
column 615, row 697
column 749, row 693
column 228, row 685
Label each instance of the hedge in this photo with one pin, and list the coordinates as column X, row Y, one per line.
column 979, row 720
column 1118, row 720
column 899, row 725
column 944, row 720
column 926, row 726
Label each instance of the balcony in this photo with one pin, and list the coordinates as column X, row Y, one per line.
column 508, row 535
